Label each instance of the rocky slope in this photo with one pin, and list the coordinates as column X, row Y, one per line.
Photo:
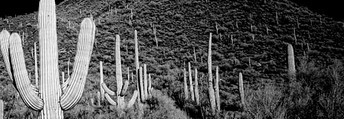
column 244, row 31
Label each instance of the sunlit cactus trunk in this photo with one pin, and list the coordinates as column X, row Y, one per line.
column 120, row 99
column 241, row 90
column 2, row 105
column 217, row 90
column 291, row 64
column 50, row 100
column 191, row 84
column 186, row 90
column 149, row 85
column 210, row 79
column 196, row 88
column 145, row 81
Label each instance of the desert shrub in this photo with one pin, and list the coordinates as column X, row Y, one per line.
column 318, row 92
column 265, row 103
column 161, row 106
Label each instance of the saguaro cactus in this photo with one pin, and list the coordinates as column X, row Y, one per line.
column 196, row 87
column 186, row 90
column 145, row 81
column 217, row 90
column 241, row 90
column 291, row 63
column 102, row 92
column 191, row 85
column 1, row 109
column 50, row 100
column 121, row 87
column 210, row 78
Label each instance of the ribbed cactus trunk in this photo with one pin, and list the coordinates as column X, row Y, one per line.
column 145, row 81
column 196, row 88
column 49, row 72
column 142, row 96
column 120, row 99
column 36, row 65
column 291, row 64
column 186, row 90
column 2, row 109
column 50, row 100
column 241, row 90
column 217, row 90
column 191, row 84
column 128, row 74
column 210, row 79
column 149, row 85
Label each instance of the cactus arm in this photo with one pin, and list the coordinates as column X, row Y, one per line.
column 124, row 88
column 133, row 99
column 77, row 81
column 107, row 90
column 26, row 90
column 101, row 81
column 111, row 101
column 4, row 42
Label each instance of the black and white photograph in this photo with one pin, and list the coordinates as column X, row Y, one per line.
column 171, row 59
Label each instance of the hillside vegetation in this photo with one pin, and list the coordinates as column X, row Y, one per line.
column 249, row 36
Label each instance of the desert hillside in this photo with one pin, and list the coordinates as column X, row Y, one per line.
column 249, row 36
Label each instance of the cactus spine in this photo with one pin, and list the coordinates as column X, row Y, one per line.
column 210, row 78
column 217, row 90
column 191, row 85
column 241, row 90
column 50, row 100
column 291, row 63
column 196, row 87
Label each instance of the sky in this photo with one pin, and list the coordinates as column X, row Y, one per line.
column 19, row 7
column 331, row 8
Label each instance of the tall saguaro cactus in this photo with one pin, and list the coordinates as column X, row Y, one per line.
column 210, row 78
column 121, row 87
column 186, row 90
column 196, row 87
column 50, row 100
column 191, row 84
column 241, row 90
column 291, row 64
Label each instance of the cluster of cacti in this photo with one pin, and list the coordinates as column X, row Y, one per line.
column 48, row 98
column 214, row 96
column 193, row 85
column 121, row 87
